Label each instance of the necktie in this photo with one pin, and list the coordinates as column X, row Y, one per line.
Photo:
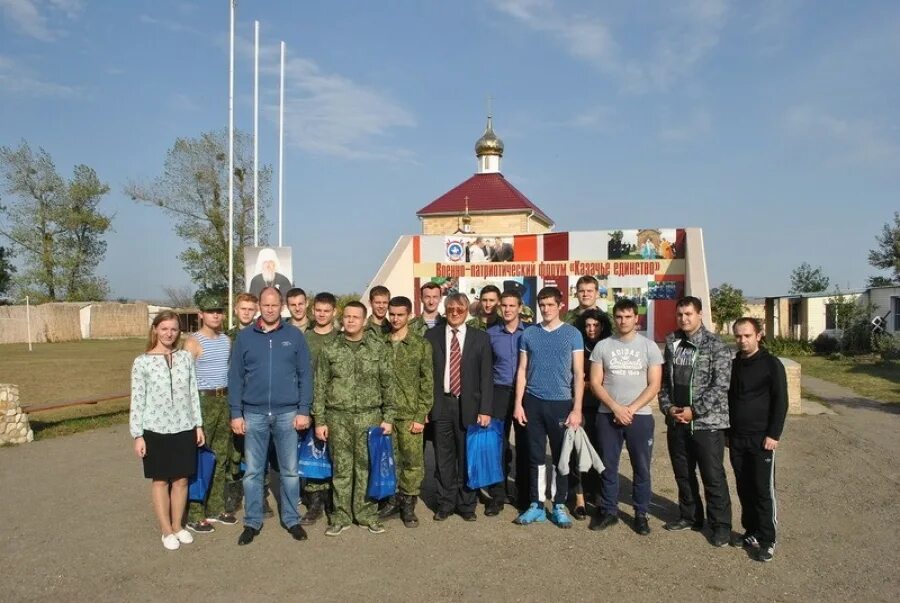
column 455, row 359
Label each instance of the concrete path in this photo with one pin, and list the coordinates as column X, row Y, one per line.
column 834, row 393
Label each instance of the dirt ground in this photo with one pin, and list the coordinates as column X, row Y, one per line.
column 77, row 525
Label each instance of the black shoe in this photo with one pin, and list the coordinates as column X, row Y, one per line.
column 765, row 553
column 315, row 509
column 721, row 537
column 745, row 540
column 468, row 515
column 580, row 513
column 683, row 524
column 441, row 515
column 390, row 507
column 408, row 511
column 247, row 535
column 297, row 532
column 602, row 521
column 641, row 525
column 492, row 509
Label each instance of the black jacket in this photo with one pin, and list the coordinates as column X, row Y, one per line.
column 477, row 386
column 757, row 397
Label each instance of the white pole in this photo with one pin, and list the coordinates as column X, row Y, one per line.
column 231, row 169
column 28, row 320
column 281, row 150
column 256, row 134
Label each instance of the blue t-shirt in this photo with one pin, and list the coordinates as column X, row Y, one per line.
column 549, row 375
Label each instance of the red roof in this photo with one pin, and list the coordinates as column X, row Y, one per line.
column 486, row 193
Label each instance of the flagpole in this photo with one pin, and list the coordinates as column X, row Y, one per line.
column 281, row 151
column 256, row 133
column 231, row 167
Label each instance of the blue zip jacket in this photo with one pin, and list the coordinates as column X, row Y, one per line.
column 270, row 373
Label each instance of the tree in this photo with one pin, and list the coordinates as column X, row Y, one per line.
column 727, row 305
column 179, row 297
column 886, row 255
column 193, row 189
column 806, row 279
column 880, row 281
column 55, row 225
column 6, row 271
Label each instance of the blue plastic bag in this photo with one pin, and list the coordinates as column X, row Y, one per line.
column 382, row 473
column 484, row 454
column 198, row 487
column 313, row 459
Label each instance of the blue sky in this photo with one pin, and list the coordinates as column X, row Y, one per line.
column 771, row 124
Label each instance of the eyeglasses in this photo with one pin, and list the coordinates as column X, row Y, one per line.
column 455, row 310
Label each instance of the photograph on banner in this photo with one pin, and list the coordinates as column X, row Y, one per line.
column 479, row 249
column 268, row 267
column 639, row 296
column 525, row 286
column 643, row 244
column 662, row 290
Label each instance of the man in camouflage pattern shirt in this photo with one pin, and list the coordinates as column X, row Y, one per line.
column 488, row 303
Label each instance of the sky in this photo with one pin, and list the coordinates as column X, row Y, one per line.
column 772, row 124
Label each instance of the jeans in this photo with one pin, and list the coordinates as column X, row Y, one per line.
column 261, row 429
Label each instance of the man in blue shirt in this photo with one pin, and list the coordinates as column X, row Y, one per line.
column 551, row 369
column 505, row 336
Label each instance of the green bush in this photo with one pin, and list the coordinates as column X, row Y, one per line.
column 886, row 346
column 825, row 344
column 785, row 346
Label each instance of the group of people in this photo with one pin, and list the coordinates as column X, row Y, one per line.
column 573, row 381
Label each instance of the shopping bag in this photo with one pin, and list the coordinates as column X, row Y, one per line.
column 382, row 473
column 484, row 454
column 198, row 487
column 313, row 460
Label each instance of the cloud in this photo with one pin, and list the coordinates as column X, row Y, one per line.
column 170, row 25
column 842, row 140
column 17, row 80
column 691, row 30
column 32, row 17
column 600, row 118
column 696, row 125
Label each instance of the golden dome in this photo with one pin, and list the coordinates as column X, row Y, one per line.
column 489, row 143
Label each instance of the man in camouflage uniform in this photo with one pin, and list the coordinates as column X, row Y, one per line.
column 430, row 317
column 296, row 303
column 353, row 391
column 378, row 324
column 488, row 303
column 414, row 394
column 694, row 400
column 316, row 491
column 586, row 290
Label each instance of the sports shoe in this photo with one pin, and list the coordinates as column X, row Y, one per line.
column 297, row 532
column 560, row 517
column 603, row 520
column 641, row 525
column 336, row 529
column 580, row 513
column 227, row 519
column 200, row 527
column 766, row 553
column 184, row 537
column 170, row 541
column 721, row 537
column 745, row 540
column 376, row 528
column 533, row 514
column 683, row 524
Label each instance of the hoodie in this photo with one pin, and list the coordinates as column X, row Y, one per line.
column 757, row 398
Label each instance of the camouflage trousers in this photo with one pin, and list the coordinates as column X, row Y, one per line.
column 349, row 446
column 409, row 458
column 217, row 429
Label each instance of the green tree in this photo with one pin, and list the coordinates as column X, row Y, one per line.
column 6, row 271
column 55, row 225
column 193, row 190
column 886, row 255
column 806, row 279
column 727, row 305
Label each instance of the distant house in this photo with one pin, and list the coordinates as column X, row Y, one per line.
column 807, row 315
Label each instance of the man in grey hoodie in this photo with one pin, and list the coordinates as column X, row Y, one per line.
column 694, row 400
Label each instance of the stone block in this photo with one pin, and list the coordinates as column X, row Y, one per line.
column 792, row 371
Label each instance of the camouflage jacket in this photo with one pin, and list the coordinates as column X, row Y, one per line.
column 479, row 322
column 355, row 378
column 316, row 342
column 413, row 377
column 710, row 376
column 378, row 330
column 418, row 325
column 572, row 315
column 303, row 328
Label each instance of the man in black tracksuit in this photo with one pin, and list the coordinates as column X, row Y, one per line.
column 757, row 406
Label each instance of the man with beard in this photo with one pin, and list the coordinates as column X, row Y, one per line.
column 267, row 273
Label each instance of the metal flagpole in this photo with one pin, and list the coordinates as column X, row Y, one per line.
column 256, row 133
column 231, row 168
column 281, row 150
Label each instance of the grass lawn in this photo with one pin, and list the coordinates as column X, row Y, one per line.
column 60, row 372
column 868, row 376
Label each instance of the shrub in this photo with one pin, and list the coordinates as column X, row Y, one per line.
column 885, row 345
column 785, row 346
column 825, row 344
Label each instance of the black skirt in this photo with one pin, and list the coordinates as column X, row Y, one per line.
column 170, row 455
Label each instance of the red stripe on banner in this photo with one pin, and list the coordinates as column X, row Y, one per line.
column 417, row 250
column 525, row 248
column 663, row 318
column 556, row 246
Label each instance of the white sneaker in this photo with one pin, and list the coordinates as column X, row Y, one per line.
column 184, row 537
column 170, row 541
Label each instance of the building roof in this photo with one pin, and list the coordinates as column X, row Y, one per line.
column 487, row 193
column 820, row 294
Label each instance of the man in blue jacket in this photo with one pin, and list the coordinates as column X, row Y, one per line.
column 269, row 394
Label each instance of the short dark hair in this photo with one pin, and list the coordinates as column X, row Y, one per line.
column 325, row 298
column 690, row 300
column 550, row 292
column 625, row 303
column 587, row 279
column 513, row 294
column 429, row 285
column 378, row 290
column 357, row 304
column 489, row 289
column 295, row 292
column 748, row 320
column 400, row 301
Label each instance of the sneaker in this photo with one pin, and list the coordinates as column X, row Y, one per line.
column 336, row 529
column 603, row 520
column 641, row 525
column 227, row 519
column 560, row 517
column 745, row 540
column 766, row 553
column 200, row 527
column 376, row 528
column 682, row 524
column 170, row 541
column 721, row 537
column 533, row 514
column 184, row 537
